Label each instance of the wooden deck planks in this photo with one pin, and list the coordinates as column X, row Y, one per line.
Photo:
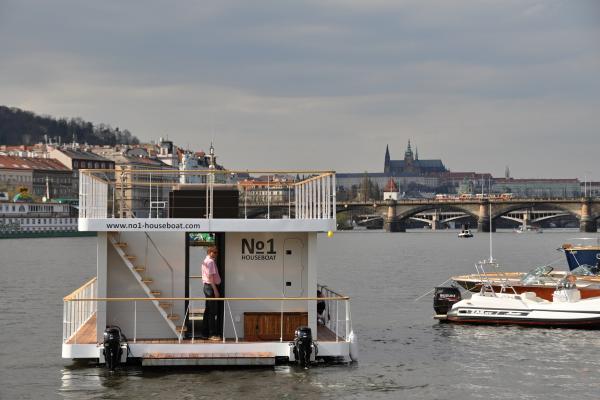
column 86, row 334
column 324, row 334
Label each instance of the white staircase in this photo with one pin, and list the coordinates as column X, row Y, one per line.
column 165, row 308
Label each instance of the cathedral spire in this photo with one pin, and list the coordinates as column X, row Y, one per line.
column 416, row 153
column 408, row 154
column 386, row 164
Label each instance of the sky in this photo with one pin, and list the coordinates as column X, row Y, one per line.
column 323, row 84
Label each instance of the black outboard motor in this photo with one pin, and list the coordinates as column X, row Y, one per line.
column 444, row 298
column 112, row 347
column 303, row 346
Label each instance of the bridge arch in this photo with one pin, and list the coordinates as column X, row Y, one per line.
column 498, row 212
column 405, row 214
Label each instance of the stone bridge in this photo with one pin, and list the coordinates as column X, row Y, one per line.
column 485, row 211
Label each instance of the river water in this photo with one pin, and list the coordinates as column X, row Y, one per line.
column 404, row 353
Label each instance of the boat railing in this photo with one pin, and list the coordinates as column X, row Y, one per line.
column 340, row 323
column 78, row 309
column 258, row 194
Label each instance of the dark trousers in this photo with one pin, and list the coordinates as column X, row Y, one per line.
column 211, row 323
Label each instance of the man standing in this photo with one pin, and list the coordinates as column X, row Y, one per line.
column 211, row 280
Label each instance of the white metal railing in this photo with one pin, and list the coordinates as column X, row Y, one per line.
column 77, row 311
column 93, row 196
column 315, row 197
column 145, row 193
column 81, row 305
column 337, row 319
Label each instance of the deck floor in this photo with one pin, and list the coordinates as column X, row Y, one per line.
column 87, row 335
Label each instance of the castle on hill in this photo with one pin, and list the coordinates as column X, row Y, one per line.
column 411, row 165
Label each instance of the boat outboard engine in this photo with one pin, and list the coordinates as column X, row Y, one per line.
column 112, row 347
column 444, row 298
column 303, row 346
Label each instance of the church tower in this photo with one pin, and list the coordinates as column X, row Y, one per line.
column 386, row 164
column 408, row 155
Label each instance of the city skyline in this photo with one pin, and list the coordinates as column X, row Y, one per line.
column 324, row 85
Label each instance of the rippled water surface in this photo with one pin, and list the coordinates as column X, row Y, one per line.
column 404, row 353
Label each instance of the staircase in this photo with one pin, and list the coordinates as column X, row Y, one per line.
column 165, row 308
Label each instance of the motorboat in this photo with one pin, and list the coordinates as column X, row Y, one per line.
column 584, row 251
column 528, row 228
column 465, row 233
column 543, row 279
column 566, row 309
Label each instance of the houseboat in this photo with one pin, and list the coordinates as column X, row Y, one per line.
column 146, row 303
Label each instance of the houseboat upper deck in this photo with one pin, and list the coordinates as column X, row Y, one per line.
column 154, row 229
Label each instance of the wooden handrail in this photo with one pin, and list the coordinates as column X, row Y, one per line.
column 208, row 299
column 81, row 288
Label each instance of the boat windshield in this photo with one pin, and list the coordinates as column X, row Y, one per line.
column 586, row 270
column 537, row 275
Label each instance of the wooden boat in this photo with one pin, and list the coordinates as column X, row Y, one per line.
column 541, row 280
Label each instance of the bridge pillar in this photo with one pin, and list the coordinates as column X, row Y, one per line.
column 392, row 223
column 483, row 222
column 435, row 221
column 587, row 223
column 526, row 218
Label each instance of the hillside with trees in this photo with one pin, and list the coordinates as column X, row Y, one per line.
column 25, row 127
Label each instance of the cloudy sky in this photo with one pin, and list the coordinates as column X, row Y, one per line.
column 322, row 84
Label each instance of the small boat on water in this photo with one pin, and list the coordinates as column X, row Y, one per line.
column 566, row 309
column 465, row 233
column 528, row 228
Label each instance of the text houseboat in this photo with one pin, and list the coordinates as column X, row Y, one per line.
column 146, row 303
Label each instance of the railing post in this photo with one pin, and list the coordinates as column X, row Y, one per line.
column 223, row 333
column 64, row 325
column 347, row 304
column 333, row 189
column 268, row 197
column 134, row 321
column 337, row 335
column 192, row 321
column 281, row 321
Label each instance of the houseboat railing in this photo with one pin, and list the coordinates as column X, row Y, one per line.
column 78, row 308
column 261, row 194
column 78, row 302
column 332, row 308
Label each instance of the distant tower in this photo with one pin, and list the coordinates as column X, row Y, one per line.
column 386, row 164
column 213, row 159
column 507, row 173
column 416, row 153
column 408, row 158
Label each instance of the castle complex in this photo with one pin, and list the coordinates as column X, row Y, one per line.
column 411, row 165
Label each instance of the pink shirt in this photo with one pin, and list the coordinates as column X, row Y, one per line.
column 210, row 273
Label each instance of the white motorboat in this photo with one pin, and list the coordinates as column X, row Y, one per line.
column 465, row 233
column 566, row 309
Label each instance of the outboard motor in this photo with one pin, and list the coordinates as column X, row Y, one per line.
column 303, row 346
column 112, row 347
column 444, row 298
